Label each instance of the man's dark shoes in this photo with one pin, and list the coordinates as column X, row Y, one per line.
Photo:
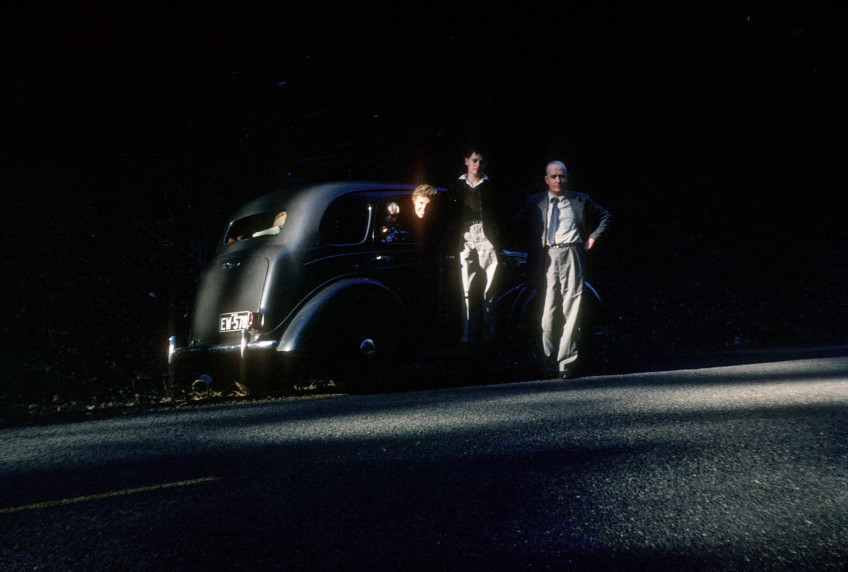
column 571, row 372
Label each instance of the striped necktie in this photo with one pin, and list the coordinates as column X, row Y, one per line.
column 552, row 227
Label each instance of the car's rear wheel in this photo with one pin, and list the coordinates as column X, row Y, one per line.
column 368, row 353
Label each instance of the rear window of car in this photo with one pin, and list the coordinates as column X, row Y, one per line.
column 259, row 224
column 346, row 221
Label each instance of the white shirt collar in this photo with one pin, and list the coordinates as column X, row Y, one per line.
column 465, row 178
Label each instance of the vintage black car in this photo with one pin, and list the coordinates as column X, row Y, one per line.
column 319, row 280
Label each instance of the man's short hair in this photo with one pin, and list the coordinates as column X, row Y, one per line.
column 424, row 191
column 471, row 149
column 560, row 163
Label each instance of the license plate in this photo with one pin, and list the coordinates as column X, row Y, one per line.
column 235, row 321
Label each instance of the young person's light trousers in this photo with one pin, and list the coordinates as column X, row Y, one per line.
column 478, row 262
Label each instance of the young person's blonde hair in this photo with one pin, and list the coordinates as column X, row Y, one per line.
column 424, row 191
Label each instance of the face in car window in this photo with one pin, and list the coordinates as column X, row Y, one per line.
column 392, row 227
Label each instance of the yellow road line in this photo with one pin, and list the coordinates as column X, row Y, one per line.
column 110, row 494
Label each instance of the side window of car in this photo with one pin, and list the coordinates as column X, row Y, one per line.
column 346, row 221
column 393, row 220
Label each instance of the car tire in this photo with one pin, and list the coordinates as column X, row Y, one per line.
column 368, row 355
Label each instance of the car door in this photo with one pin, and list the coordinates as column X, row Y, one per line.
column 410, row 262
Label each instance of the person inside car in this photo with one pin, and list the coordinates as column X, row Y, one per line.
column 279, row 221
column 390, row 231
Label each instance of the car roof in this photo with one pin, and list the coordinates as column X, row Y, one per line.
column 306, row 205
column 311, row 200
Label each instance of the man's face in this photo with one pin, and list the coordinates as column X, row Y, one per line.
column 556, row 178
column 419, row 205
column 474, row 164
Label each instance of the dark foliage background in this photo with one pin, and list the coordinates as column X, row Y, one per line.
column 712, row 131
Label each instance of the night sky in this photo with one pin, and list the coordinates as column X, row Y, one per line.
column 712, row 131
column 628, row 96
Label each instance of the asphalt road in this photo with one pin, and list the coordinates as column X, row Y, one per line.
column 726, row 468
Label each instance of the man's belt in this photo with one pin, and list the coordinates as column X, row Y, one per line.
column 564, row 244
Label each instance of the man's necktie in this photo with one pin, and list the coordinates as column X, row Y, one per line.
column 552, row 227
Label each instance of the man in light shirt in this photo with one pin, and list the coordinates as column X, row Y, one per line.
column 560, row 226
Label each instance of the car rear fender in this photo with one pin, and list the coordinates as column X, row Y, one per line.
column 309, row 330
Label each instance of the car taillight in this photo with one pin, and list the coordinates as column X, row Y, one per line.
column 256, row 320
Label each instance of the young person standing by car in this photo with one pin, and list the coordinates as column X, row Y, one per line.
column 560, row 227
column 475, row 216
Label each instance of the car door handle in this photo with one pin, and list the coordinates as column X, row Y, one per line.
column 381, row 258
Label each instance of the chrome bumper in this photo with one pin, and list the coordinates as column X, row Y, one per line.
column 243, row 349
